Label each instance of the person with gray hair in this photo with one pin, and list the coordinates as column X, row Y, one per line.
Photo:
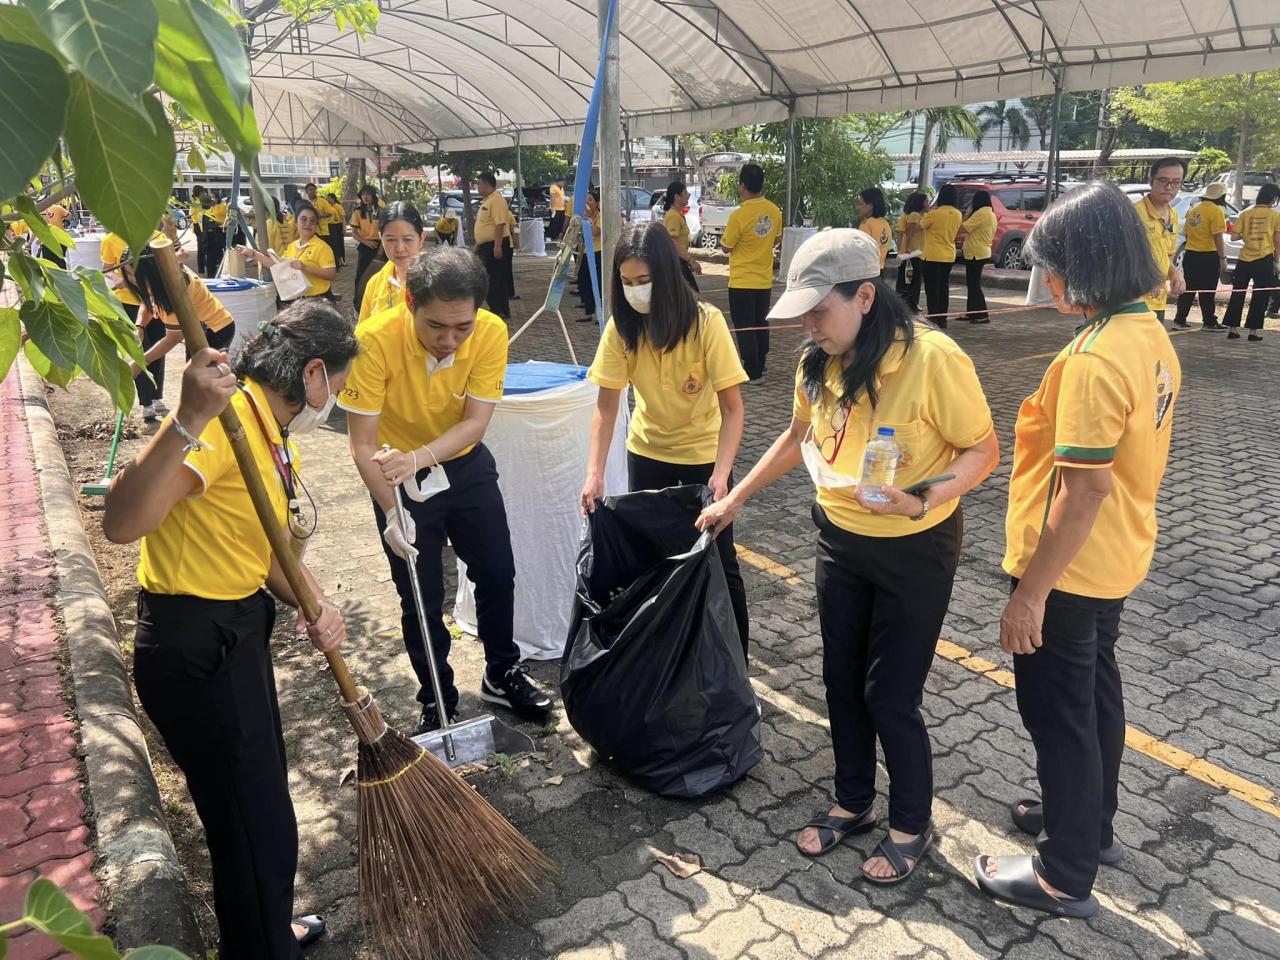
column 1091, row 446
column 419, row 400
column 202, row 656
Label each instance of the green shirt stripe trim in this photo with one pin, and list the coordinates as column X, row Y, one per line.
column 1087, row 454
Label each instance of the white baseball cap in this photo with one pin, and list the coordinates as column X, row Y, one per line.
column 1214, row 191
column 830, row 257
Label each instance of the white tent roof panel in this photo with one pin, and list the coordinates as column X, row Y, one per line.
column 477, row 72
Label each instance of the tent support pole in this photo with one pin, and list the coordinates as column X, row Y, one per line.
column 518, row 193
column 1055, row 138
column 439, row 179
column 790, row 165
column 610, row 151
column 631, row 177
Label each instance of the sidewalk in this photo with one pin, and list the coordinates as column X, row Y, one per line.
column 43, row 830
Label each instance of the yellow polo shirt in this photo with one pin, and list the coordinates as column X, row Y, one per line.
column 56, row 215
column 328, row 212
column 1205, row 220
column 597, row 235
column 557, row 198
column 905, row 221
column 112, row 252
column 1164, row 243
column 677, row 415
column 196, row 209
column 678, row 227
column 211, row 544
column 493, row 213
column 1257, row 227
column 979, row 231
column 315, row 252
column 209, row 309
column 392, row 377
column 877, row 228
column 750, row 235
column 1106, row 401
column 941, row 224
column 382, row 292
column 929, row 394
column 365, row 227
column 218, row 213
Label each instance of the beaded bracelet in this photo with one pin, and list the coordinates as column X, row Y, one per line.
column 193, row 443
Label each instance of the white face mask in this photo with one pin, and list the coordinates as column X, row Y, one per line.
column 820, row 472
column 308, row 418
column 640, row 297
column 437, row 481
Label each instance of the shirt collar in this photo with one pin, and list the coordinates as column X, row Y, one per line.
column 259, row 399
column 435, row 366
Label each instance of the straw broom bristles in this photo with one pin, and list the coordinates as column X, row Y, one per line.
column 436, row 859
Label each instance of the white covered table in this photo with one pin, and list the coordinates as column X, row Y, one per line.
column 87, row 251
column 539, row 437
column 533, row 238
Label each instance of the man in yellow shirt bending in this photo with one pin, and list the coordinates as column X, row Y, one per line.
column 749, row 237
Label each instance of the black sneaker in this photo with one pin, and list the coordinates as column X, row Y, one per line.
column 1232, row 334
column 430, row 720
column 1181, row 324
column 1215, row 325
column 517, row 693
column 1255, row 337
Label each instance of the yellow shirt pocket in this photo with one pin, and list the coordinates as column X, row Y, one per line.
column 922, row 451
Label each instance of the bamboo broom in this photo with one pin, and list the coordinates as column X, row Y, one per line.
column 436, row 859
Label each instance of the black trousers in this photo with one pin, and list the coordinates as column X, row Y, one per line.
column 586, row 292
column 690, row 277
column 556, row 228
column 881, row 603
column 499, row 286
column 937, row 291
column 202, row 251
column 204, row 676
column 152, row 333
column 1072, row 704
column 645, row 473
column 909, row 280
column 1262, row 273
column 215, row 245
column 750, row 309
column 337, row 243
column 365, row 255
column 1200, row 267
column 975, row 300
column 472, row 516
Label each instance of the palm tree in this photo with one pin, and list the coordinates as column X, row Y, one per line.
column 1040, row 109
column 940, row 125
column 998, row 115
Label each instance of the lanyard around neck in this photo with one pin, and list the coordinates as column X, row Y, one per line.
column 279, row 455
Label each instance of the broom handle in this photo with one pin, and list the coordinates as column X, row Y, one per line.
column 115, row 445
column 193, row 334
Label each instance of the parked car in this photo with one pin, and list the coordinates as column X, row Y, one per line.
column 1253, row 180
column 691, row 216
column 1017, row 202
column 451, row 199
column 1183, row 202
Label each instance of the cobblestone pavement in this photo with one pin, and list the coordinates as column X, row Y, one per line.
column 43, row 828
column 1201, row 876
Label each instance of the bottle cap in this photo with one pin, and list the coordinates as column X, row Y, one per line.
column 885, row 431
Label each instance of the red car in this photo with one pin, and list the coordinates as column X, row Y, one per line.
column 1017, row 203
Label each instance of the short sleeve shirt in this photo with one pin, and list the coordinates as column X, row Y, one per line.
column 941, row 224
column 678, row 227
column 416, row 398
column 316, row 253
column 365, row 225
column 1163, row 237
column 677, row 415
column 751, row 233
column 112, row 252
column 878, row 229
column 557, row 199
column 1107, row 400
column 1257, row 227
column 1204, row 221
column 382, row 292
column 494, row 213
column 979, row 231
column 931, row 396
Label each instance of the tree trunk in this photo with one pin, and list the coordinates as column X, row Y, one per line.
column 1242, row 152
column 355, row 174
column 468, row 215
column 926, row 154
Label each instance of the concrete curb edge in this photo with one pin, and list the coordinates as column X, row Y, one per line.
column 147, row 896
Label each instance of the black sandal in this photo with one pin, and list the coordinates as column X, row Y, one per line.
column 828, row 826
column 1030, row 820
column 1018, row 883
column 898, row 854
column 315, row 930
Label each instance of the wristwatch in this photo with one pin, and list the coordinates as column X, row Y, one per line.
column 924, row 508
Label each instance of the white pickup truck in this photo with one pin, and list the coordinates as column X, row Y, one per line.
column 713, row 214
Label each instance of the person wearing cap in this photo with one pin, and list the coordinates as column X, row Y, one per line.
column 1259, row 263
column 1205, row 259
column 886, row 558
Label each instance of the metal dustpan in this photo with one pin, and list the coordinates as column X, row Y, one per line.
column 471, row 741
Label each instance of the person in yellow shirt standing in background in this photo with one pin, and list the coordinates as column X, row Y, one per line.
column 150, row 390
column 1205, row 260
column 400, row 230
column 324, row 215
column 940, row 224
column 196, row 208
column 493, row 245
column 871, row 212
column 749, row 238
column 979, row 231
column 1091, row 446
column 556, row 228
column 364, row 227
column 1259, row 263
column 911, row 240
column 678, row 356
column 337, row 235
column 1160, row 220
column 587, row 293
column 215, row 234
column 675, row 203
column 419, row 399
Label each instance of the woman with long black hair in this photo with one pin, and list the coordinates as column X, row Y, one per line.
column 941, row 223
column 979, row 231
column 886, row 557
column 400, row 230
column 678, row 356
column 675, row 203
column 911, row 239
column 364, row 227
column 202, row 661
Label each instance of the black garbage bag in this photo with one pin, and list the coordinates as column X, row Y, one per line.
column 653, row 674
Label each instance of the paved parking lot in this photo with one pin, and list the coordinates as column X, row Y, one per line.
column 1199, row 656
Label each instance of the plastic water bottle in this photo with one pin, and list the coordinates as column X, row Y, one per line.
column 880, row 464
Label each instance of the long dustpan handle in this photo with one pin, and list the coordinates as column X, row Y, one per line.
column 416, row 589
column 193, row 334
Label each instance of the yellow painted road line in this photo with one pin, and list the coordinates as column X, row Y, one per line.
column 1181, row 760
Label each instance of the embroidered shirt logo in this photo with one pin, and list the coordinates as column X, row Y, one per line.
column 1164, row 392
column 764, row 225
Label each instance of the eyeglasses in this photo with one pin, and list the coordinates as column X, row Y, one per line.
column 1167, row 183
column 839, row 421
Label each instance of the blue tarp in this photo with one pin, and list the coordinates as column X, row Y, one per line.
column 538, row 375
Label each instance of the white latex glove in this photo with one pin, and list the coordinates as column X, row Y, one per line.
column 401, row 540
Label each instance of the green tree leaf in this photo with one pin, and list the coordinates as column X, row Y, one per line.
column 227, row 48
column 33, row 107
column 124, row 163
column 10, row 341
column 112, row 42
column 102, row 303
column 46, row 368
column 50, row 911
column 17, row 25
column 68, row 290
column 100, row 360
column 153, row 953
column 26, row 271
column 54, row 330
